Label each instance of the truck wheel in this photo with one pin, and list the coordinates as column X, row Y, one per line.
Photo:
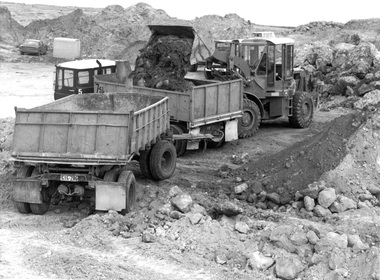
column 40, row 209
column 144, row 163
column 250, row 122
column 126, row 177
column 162, row 160
column 180, row 145
column 302, row 110
column 24, row 172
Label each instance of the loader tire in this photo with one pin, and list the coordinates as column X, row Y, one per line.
column 24, row 172
column 41, row 209
column 302, row 110
column 162, row 160
column 144, row 164
column 127, row 178
column 180, row 145
column 250, row 122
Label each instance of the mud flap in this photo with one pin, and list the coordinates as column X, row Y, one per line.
column 231, row 131
column 27, row 190
column 110, row 196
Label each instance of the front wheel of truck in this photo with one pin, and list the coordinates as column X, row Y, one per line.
column 127, row 178
column 162, row 160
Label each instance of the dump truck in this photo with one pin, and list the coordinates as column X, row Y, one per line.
column 208, row 111
column 79, row 148
column 272, row 88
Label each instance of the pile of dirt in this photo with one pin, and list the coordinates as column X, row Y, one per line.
column 163, row 63
column 293, row 169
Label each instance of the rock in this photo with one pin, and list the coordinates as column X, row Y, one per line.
column 196, row 208
column 288, row 267
column 262, row 205
column 165, row 209
column 298, row 238
column 148, row 237
column 366, row 196
column 326, row 197
column 242, row 227
column 313, row 189
column 309, row 203
column 342, row 204
column 240, row 188
column 374, row 190
column 371, row 98
column 321, row 211
column 195, row 218
column 221, row 258
column 227, row 222
column 230, row 209
column 362, row 204
column 355, row 242
column 336, row 259
column 330, row 241
column 312, row 237
column 175, row 190
column 183, row 202
column 258, row 261
column 298, row 204
column 176, row 215
column 274, row 197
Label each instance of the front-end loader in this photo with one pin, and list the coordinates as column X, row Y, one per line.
column 272, row 88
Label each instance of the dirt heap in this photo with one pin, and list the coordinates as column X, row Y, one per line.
column 163, row 63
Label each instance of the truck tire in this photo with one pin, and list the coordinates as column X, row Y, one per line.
column 144, row 163
column 126, row 177
column 250, row 122
column 162, row 160
column 302, row 110
column 24, row 172
column 180, row 145
column 40, row 209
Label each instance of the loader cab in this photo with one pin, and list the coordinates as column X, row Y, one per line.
column 77, row 77
column 270, row 61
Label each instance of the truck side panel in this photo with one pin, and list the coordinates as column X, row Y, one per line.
column 43, row 134
column 201, row 105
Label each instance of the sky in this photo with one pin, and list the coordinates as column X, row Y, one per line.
column 269, row 12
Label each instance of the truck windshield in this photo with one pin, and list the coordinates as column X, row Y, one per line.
column 65, row 78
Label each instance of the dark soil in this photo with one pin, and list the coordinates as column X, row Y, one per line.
column 294, row 168
column 163, row 63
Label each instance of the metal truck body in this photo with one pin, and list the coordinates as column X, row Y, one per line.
column 208, row 110
column 79, row 146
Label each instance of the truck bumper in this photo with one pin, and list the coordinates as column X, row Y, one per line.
column 27, row 190
column 110, row 196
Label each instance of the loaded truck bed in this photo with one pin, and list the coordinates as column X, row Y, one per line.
column 77, row 148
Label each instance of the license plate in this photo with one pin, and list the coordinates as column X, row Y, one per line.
column 72, row 178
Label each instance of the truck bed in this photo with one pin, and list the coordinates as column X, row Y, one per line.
column 90, row 128
column 207, row 102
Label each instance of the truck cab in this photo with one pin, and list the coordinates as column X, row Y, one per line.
column 77, row 77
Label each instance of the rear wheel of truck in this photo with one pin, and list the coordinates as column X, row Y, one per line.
column 302, row 110
column 24, row 172
column 127, row 178
column 144, row 163
column 163, row 160
column 250, row 122
column 180, row 145
column 41, row 208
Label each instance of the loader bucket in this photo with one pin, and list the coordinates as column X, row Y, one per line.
column 201, row 46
